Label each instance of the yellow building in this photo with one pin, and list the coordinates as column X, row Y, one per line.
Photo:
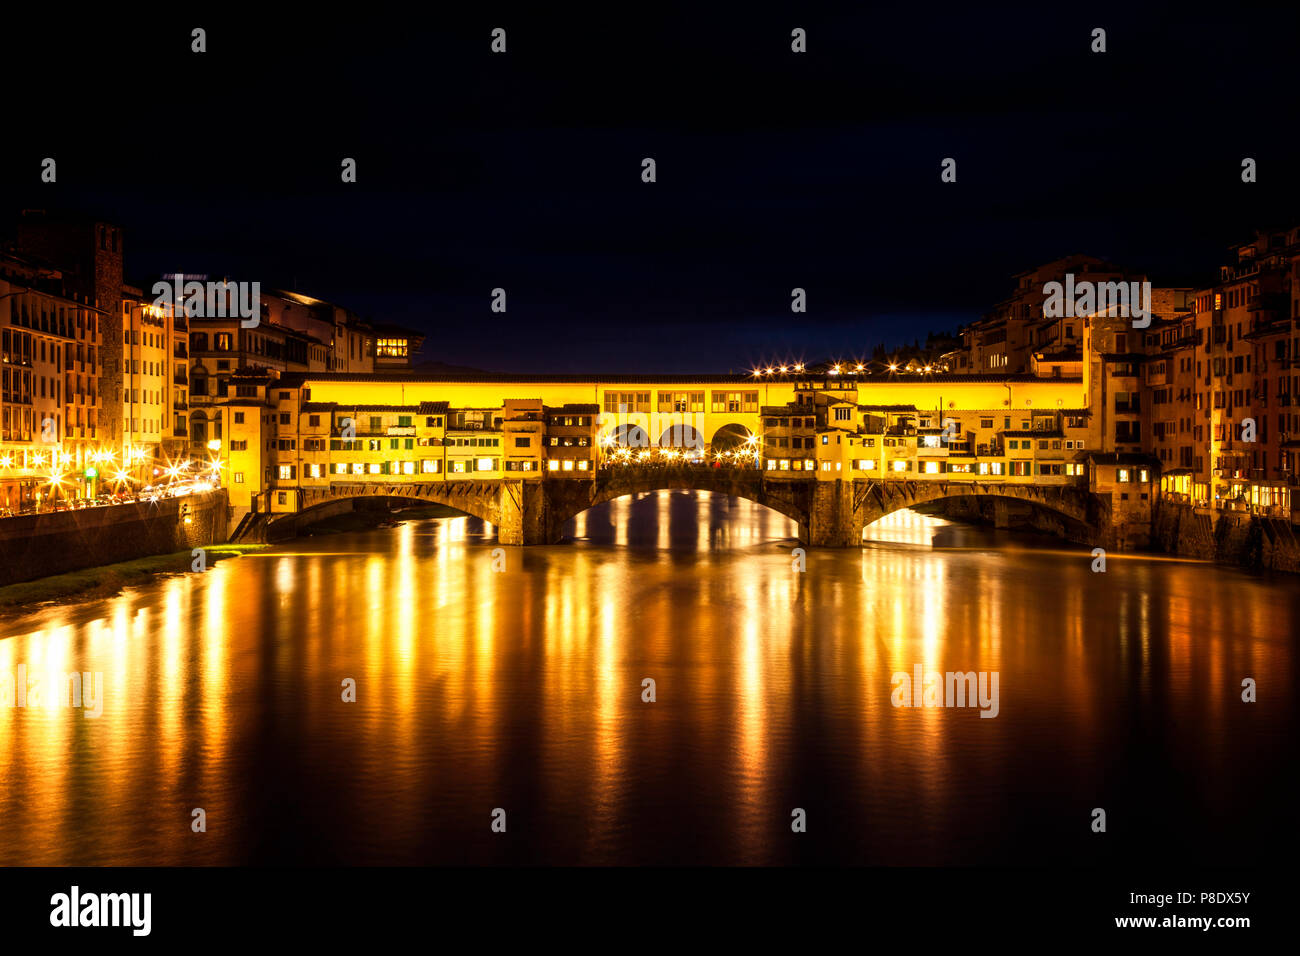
column 155, row 383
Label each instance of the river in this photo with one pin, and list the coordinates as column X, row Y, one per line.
column 512, row 680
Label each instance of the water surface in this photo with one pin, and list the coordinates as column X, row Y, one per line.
column 480, row 687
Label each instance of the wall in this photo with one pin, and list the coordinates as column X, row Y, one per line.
column 1228, row 538
column 36, row 546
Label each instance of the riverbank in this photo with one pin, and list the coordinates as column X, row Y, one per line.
column 1232, row 539
column 109, row 579
column 368, row 520
column 39, row 546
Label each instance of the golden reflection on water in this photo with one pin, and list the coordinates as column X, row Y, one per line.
column 519, row 685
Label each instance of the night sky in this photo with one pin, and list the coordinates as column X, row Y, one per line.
column 775, row 169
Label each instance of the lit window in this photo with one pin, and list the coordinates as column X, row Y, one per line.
column 374, row 468
column 568, row 464
column 458, row 467
column 1122, row 474
column 408, row 467
column 900, row 464
column 582, row 465
column 553, row 465
column 485, row 464
column 931, row 467
column 391, row 348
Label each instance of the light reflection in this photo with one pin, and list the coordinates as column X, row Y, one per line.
column 482, row 688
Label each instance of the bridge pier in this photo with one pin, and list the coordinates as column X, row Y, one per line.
column 528, row 516
column 833, row 522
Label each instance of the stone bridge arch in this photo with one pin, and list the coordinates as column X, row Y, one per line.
column 790, row 499
column 477, row 499
column 1087, row 514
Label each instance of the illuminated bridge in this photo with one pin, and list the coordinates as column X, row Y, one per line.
column 832, row 453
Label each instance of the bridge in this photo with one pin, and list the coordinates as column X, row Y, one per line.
column 829, row 513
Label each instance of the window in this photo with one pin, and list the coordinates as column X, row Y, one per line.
column 239, row 477
column 631, row 401
column 681, row 401
column 287, row 473
column 430, row 466
column 523, row 442
column 843, row 413
column 239, row 418
column 728, row 402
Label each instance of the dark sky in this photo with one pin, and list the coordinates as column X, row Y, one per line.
column 775, row 170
